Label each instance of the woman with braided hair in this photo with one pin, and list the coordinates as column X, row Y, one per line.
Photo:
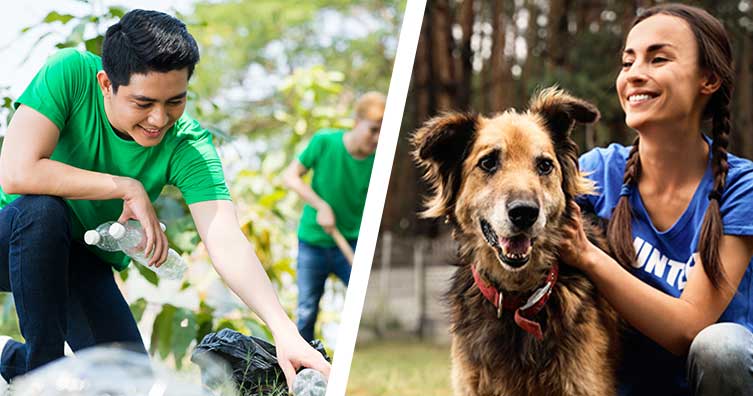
column 680, row 211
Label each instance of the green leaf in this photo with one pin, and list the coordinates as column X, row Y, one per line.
column 124, row 274
column 55, row 16
column 94, row 45
column 148, row 274
column 259, row 330
column 116, row 11
column 269, row 200
column 184, row 331
column 226, row 324
column 204, row 325
column 162, row 331
column 137, row 309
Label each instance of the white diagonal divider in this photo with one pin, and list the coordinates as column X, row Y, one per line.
column 372, row 214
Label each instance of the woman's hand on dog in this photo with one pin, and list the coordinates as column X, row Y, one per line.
column 576, row 248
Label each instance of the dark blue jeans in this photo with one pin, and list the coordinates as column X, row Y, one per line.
column 62, row 291
column 314, row 266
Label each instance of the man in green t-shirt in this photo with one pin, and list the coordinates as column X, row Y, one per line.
column 341, row 162
column 94, row 140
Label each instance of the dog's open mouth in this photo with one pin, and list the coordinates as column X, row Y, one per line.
column 514, row 251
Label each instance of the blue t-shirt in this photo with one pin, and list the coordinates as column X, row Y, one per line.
column 666, row 258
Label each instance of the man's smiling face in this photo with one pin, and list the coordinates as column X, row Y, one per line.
column 146, row 108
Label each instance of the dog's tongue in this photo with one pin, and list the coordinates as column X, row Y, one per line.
column 515, row 245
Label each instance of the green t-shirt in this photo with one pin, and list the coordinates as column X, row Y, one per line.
column 340, row 180
column 66, row 91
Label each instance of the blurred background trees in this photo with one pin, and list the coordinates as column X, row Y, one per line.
column 271, row 74
column 488, row 56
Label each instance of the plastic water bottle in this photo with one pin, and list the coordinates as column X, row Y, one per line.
column 309, row 382
column 101, row 238
column 131, row 240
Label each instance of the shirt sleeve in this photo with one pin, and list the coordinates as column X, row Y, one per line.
column 737, row 203
column 57, row 87
column 196, row 169
column 592, row 166
column 606, row 167
column 312, row 152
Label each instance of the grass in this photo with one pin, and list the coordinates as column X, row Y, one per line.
column 400, row 368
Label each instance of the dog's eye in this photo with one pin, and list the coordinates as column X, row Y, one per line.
column 545, row 166
column 489, row 164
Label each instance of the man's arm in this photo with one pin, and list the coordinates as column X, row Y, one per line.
column 26, row 168
column 293, row 180
column 235, row 260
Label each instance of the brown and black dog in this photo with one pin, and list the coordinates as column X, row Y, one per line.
column 522, row 322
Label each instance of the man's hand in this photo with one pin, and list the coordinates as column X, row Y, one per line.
column 292, row 177
column 136, row 205
column 293, row 352
column 235, row 261
column 326, row 217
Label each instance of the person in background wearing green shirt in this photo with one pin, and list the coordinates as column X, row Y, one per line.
column 96, row 139
column 342, row 163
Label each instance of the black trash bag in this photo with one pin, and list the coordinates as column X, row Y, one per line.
column 253, row 362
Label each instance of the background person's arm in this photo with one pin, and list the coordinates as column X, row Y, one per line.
column 26, row 168
column 294, row 181
column 235, row 261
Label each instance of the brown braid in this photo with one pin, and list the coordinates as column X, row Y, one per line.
column 712, row 227
column 620, row 230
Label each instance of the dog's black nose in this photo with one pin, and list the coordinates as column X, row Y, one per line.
column 522, row 214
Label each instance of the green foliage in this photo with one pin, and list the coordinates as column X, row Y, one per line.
column 249, row 46
column 6, row 108
column 85, row 32
column 8, row 318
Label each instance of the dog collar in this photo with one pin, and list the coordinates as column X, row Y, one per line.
column 524, row 311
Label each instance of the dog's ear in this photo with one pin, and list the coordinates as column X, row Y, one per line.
column 560, row 111
column 439, row 147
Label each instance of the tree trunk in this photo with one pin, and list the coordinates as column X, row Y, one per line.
column 742, row 136
column 557, row 38
column 463, row 64
column 441, row 54
column 501, row 85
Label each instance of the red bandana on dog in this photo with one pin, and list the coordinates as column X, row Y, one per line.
column 523, row 311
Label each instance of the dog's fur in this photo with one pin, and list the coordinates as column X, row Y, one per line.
column 478, row 167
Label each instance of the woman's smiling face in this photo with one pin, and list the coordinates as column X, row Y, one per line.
column 660, row 82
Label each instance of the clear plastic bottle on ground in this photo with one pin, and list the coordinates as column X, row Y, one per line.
column 131, row 240
column 309, row 382
column 101, row 238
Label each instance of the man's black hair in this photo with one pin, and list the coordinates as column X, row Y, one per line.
column 145, row 41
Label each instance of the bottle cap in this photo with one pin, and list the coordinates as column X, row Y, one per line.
column 117, row 230
column 92, row 237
